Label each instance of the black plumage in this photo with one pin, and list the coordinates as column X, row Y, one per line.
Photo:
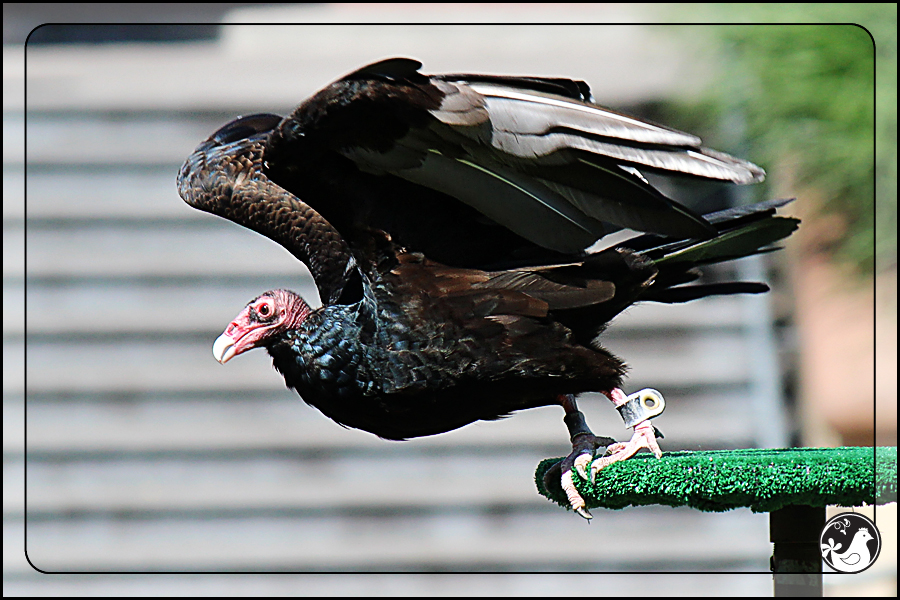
column 445, row 220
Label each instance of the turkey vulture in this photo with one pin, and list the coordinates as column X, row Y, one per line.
column 445, row 219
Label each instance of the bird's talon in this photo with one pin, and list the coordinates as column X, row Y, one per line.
column 575, row 499
column 584, row 447
column 614, row 448
column 581, row 464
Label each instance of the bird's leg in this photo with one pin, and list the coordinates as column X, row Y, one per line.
column 584, row 444
column 636, row 410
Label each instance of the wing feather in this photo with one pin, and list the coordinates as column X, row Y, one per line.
column 538, row 113
column 530, row 154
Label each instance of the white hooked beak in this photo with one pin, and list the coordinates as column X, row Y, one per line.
column 223, row 348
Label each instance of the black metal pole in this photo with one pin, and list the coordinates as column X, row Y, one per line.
column 796, row 558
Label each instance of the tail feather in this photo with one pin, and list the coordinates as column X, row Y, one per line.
column 687, row 293
column 734, row 216
column 743, row 231
column 722, row 221
column 736, row 243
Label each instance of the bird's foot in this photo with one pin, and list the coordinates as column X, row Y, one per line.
column 584, row 447
column 636, row 410
column 644, row 437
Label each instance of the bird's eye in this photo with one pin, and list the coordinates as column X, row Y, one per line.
column 263, row 310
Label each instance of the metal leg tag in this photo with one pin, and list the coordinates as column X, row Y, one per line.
column 640, row 406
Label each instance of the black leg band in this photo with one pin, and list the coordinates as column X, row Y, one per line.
column 576, row 424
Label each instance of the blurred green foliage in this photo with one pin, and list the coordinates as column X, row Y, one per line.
column 805, row 95
column 814, row 109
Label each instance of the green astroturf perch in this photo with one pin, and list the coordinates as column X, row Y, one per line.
column 720, row 480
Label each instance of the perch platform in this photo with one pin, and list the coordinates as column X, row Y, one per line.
column 793, row 484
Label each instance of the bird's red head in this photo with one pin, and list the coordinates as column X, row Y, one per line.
column 265, row 317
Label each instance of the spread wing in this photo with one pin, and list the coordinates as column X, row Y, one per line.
column 528, row 155
column 472, row 171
